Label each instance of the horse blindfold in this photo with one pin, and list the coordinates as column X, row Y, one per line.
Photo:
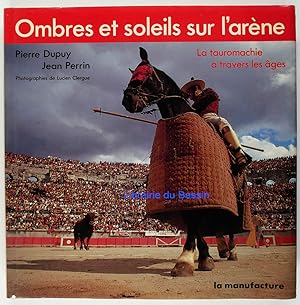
column 141, row 73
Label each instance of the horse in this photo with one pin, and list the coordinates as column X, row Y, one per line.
column 149, row 86
column 83, row 231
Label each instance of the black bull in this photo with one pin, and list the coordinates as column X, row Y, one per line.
column 83, row 231
column 178, row 164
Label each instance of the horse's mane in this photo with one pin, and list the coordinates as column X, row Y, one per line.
column 170, row 81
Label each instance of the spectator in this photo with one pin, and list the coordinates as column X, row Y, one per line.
column 57, row 203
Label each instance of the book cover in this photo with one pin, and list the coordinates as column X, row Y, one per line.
column 142, row 116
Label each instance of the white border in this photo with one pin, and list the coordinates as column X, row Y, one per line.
column 78, row 3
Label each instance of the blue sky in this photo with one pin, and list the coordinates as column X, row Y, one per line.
column 272, row 136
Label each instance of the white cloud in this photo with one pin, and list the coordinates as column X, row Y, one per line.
column 270, row 150
column 284, row 79
column 127, row 158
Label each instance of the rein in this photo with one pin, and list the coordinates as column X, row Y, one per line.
column 158, row 96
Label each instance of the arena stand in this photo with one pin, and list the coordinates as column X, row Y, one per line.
column 46, row 196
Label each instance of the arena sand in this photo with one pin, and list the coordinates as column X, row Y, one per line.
column 145, row 273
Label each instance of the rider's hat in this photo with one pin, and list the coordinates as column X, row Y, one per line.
column 188, row 87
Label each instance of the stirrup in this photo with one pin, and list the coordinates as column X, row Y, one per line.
column 241, row 162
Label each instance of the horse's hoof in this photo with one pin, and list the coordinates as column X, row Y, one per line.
column 222, row 247
column 182, row 269
column 232, row 257
column 233, row 254
column 224, row 254
column 206, row 264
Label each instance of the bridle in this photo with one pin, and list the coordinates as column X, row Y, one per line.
column 151, row 98
column 139, row 90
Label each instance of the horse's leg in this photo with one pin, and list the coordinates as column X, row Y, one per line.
column 185, row 263
column 222, row 246
column 232, row 248
column 205, row 261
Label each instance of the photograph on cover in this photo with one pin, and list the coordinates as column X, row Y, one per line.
column 151, row 170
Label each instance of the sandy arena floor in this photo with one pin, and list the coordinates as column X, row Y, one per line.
column 145, row 273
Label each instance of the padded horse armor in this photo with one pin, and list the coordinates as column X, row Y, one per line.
column 189, row 156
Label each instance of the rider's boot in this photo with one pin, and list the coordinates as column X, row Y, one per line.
column 242, row 159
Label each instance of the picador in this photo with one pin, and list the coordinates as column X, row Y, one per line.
column 206, row 104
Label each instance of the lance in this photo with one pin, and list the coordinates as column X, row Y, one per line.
column 149, row 122
column 124, row 116
column 254, row 148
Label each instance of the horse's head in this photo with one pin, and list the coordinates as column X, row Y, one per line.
column 145, row 86
column 149, row 85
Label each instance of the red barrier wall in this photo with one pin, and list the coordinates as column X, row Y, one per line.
column 135, row 242
column 33, row 241
column 285, row 240
column 116, row 242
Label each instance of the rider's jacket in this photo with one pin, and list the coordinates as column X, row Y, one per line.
column 207, row 102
